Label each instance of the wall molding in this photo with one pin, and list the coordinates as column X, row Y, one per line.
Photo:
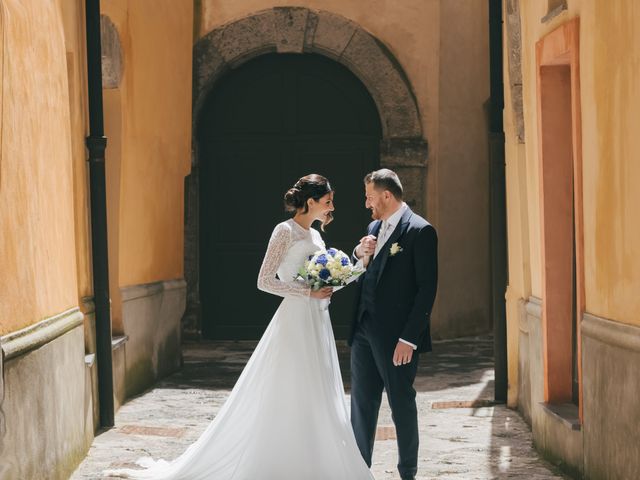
column 34, row 336
column 88, row 305
column 607, row 331
column 611, row 332
column 523, row 321
column 133, row 292
column 534, row 307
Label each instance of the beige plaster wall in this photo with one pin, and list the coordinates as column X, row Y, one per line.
column 38, row 265
column 519, row 287
column 448, row 69
column 462, row 170
column 610, row 100
column 148, row 121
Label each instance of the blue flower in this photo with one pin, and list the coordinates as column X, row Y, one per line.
column 344, row 261
column 324, row 273
column 332, row 252
column 322, row 259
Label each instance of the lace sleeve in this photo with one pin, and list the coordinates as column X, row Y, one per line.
column 277, row 249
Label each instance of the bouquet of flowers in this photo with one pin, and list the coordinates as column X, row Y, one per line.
column 328, row 268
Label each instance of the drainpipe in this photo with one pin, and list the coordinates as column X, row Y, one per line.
column 498, row 208
column 96, row 144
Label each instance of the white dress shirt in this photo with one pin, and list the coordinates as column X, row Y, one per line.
column 388, row 226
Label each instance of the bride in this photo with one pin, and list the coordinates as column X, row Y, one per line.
column 286, row 417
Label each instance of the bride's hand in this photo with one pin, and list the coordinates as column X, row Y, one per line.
column 323, row 293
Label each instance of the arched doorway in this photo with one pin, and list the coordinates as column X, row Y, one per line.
column 265, row 124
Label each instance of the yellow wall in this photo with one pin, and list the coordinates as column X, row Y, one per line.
column 38, row 273
column 610, row 101
column 610, row 73
column 148, row 123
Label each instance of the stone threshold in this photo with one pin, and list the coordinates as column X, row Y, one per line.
column 465, row 404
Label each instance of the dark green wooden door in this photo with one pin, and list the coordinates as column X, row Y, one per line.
column 266, row 124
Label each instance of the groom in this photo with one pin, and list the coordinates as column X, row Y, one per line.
column 391, row 325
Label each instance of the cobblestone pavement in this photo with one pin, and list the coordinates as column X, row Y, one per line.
column 463, row 435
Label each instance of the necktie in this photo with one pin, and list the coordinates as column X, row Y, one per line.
column 382, row 236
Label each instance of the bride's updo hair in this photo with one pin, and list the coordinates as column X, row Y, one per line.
column 311, row 186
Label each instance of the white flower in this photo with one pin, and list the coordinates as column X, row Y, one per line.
column 395, row 249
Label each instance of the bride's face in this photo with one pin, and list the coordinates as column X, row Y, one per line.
column 320, row 209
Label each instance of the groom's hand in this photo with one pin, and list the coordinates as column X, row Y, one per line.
column 403, row 354
column 367, row 246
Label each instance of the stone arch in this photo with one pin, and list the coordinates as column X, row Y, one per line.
column 303, row 30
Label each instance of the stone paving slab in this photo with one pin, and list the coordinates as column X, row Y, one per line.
column 487, row 441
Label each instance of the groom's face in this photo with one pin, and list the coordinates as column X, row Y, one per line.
column 376, row 201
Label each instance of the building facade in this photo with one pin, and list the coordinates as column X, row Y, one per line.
column 571, row 106
column 211, row 110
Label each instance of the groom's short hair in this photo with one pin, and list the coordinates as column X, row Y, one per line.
column 385, row 179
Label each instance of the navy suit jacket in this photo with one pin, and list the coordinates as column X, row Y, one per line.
column 406, row 285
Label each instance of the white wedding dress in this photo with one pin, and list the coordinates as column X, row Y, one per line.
column 286, row 417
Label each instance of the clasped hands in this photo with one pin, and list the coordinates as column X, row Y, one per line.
column 366, row 248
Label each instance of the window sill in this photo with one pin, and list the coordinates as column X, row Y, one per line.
column 119, row 341
column 566, row 413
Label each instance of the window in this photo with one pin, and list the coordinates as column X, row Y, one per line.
column 561, row 212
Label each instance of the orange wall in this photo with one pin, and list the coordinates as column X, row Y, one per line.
column 73, row 19
column 152, row 138
column 38, row 274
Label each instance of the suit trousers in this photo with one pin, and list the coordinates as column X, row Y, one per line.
column 372, row 371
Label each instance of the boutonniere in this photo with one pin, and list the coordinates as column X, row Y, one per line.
column 395, row 249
